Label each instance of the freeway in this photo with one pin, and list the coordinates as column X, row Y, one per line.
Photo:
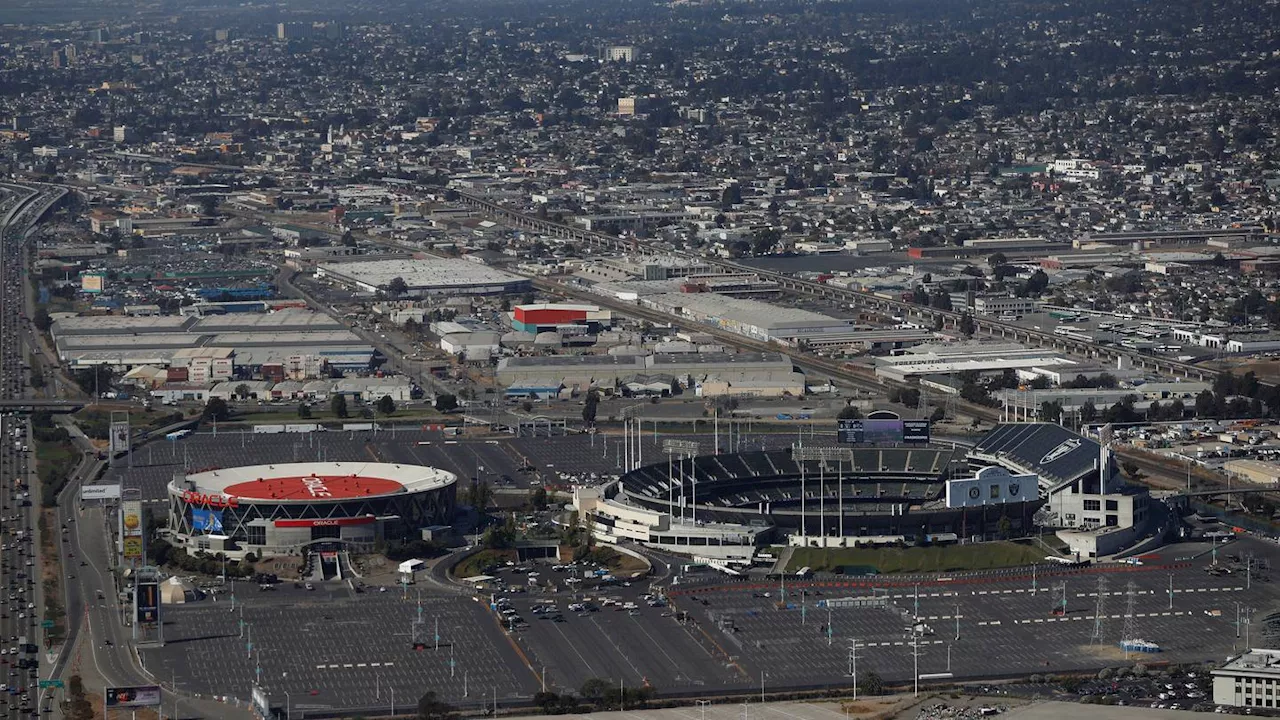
column 20, row 564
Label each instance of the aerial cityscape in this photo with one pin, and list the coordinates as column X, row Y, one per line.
column 766, row 360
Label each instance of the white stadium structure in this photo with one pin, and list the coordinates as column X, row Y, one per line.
column 295, row 507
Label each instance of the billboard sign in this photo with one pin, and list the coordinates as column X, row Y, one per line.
column 328, row 522
column 100, row 492
column 119, row 437
column 883, row 431
column 208, row 521
column 916, row 431
column 147, row 602
column 137, row 696
column 131, row 530
column 212, row 500
column 261, row 703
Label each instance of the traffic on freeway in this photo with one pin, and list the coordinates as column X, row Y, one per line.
column 21, row 617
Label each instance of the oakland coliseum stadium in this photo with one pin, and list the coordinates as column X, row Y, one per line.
column 295, row 507
column 724, row 506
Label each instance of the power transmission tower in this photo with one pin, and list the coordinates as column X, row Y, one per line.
column 1060, row 599
column 1129, row 631
column 1099, row 611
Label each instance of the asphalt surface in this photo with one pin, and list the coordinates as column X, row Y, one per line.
column 19, row 564
column 1006, row 625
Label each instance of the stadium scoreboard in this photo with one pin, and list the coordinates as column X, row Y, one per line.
column 883, row 431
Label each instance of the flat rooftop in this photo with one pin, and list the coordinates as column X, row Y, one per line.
column 419, row 273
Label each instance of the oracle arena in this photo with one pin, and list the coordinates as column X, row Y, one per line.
column 292, row 508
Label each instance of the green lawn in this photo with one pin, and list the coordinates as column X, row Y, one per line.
column 939, row 558
column 474, row 565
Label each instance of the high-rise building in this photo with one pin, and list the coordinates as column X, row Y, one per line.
column 620, row 53
column 221, row 35
column 122, row 134
column 293, row 30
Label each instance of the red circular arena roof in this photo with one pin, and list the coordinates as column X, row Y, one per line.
column 313, row 487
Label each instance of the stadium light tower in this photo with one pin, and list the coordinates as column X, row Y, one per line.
column 823, row 455
column 683, row 449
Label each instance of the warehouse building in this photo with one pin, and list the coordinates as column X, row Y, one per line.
column 751, row 318
column 423, row 277
column 705, row 374
column 295, row 341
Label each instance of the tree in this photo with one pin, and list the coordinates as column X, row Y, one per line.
column 849, row 412
column 397, row 287
column 1051, row 411
column 338, row 406
column 41, row 320
column 996, row 260
column 1131, row 469
column 348, row 240
column 242, row 391
column 386, row 405
column 431, row 707
column 590, row 407
column 870, row 683
column 94, row 379
column 967, row 326
column 446, row 403
column 208, row 205
column 304, row 410
column 1088, row 411
column 538, row 498
column 216, row 410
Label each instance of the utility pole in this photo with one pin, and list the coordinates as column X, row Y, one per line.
column 853, row 665
column 1170, row 591
column 915, row 656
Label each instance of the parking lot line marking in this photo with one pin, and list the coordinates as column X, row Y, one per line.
column 362, row 664
column 346, row 665
column 994, row 622
column 387, row 664
column 1140, row 615
column 320, row 667
column 899, row 643
column 331, row 667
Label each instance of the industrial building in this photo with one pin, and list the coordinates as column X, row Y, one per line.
column 954, row 358
column 423, row 277
column 280, row 344
column 751, row 318
column 1249, row 680
column 551, row 317
column 706, row 374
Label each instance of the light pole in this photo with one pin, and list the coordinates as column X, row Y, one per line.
column 762, row 674
column 702, row 706
column 288, row 705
